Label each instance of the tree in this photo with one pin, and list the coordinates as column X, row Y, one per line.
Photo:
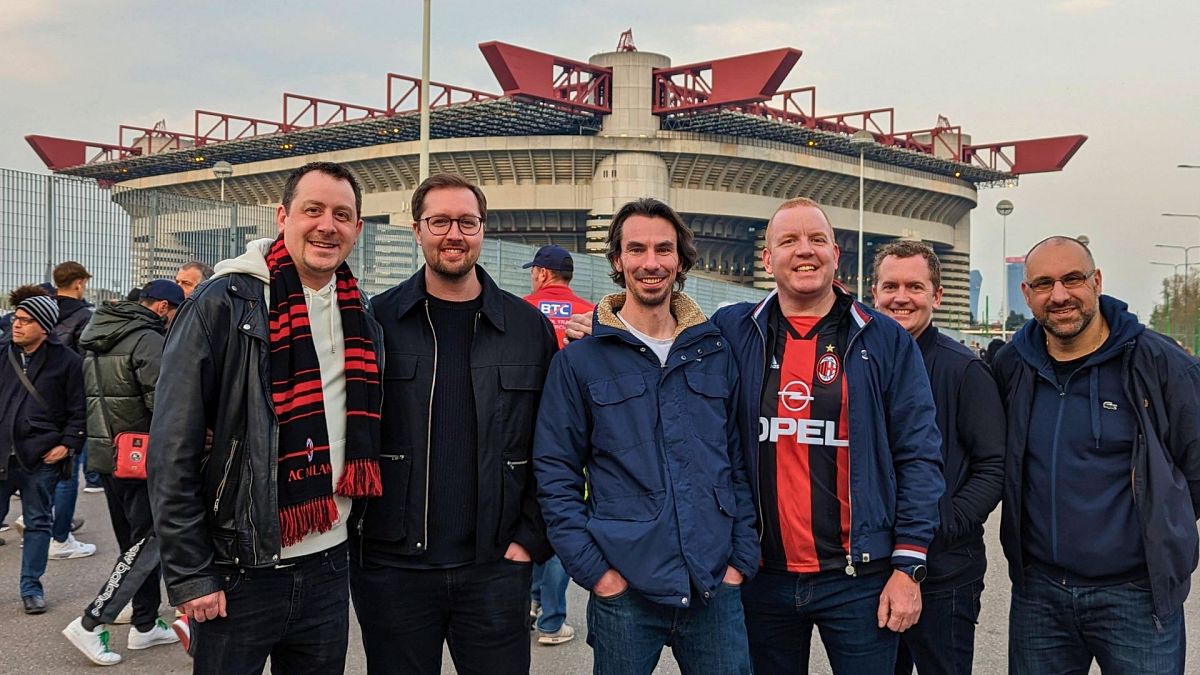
column 1179, row 313
column 1015, row 321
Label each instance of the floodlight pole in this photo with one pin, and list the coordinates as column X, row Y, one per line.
column 1004, row 208
column 424, row 153
column 861, row 139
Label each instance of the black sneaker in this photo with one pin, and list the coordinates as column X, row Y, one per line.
column 34, row 604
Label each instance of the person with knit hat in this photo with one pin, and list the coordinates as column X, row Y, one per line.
column 42, row 426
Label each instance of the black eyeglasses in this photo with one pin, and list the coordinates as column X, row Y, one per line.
column 1043, row 285
column 468, row 225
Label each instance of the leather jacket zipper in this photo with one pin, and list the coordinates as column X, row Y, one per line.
column 225, row 476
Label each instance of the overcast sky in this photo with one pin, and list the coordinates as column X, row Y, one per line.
column 1123, row 73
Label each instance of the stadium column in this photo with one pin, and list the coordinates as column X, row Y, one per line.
column 634, row 169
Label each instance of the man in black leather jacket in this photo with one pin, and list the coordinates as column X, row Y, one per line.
column 465, row 362
column 218, row 503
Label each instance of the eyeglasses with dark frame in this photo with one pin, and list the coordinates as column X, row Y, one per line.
column 1043, row 285
column 468, row 225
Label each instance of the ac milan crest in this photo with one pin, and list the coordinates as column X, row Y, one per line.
column 828, row 368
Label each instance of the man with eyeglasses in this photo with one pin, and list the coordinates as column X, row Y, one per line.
column 1103, row 477
column 446, row 554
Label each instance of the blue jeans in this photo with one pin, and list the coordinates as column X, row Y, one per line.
column 35, row 486
column 1054, row 627
column 481, row 612
column 781, row 610
column 66, row 492
column 550, row 591
column 297, row 613
column 628, row 632
column 943, row 641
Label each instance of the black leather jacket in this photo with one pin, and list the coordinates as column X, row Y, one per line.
column 216, row 375
column 510, row 354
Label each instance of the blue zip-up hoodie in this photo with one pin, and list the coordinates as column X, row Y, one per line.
column 895, row 447
column 669, row 504
column 1078, row 512
column 1147, row 467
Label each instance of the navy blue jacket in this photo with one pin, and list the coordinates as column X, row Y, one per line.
column 971, row 419
column 29, row 430
column 1112, row 491
column 895, row 447
column 667, row 504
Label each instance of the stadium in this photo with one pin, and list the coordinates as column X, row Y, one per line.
column 567, row 142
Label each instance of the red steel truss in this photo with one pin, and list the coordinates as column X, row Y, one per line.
column 551, row 79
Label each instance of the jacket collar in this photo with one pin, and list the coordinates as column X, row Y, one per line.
column 412, row 293
column 927, row 340
column 687, row 313
column 859, row 313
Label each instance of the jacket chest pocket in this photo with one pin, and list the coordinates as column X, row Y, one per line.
column 623, row 414
column 516, row 409
column 707, row 404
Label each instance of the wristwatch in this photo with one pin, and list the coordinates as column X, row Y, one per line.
column 915, row 572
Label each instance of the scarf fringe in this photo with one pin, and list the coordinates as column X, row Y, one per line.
column 360, row 479
column 298, row 520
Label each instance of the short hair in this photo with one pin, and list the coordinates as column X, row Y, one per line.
column 564, row 276
column 442, row 181
column 135, row 294
column 68, row 273
column 685, row 242
column 797, row 202
column 1060, row 239
column 907, row 248
column 204, row 269
column 331, row 169
column 22, row 293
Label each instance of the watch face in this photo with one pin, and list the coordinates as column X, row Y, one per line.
column 919, row 572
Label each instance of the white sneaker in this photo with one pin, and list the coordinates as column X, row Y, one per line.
column 161, row 634
column 126, row 615
column 565, row 633
column 19, row 524
column 71, row 548
column 93, row 643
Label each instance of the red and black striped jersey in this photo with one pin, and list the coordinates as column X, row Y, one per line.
column 804, row 445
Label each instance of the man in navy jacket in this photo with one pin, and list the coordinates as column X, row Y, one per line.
column 908, row 287
column 1103, row 477
column 663, row 536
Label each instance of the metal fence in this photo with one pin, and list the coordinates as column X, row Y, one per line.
column 127, row 237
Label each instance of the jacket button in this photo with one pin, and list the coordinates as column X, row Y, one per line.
column 642, row 349
column 684, row 601
column 699, row 351
column 718, row 343
column 236, row 561
column 275, row 557
column 707, row 594
column 245, row 326
column 420, row 545
column 232, row 287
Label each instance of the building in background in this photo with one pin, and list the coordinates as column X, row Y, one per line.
column 1014, row 274
column 568, row 142
column 976, row 284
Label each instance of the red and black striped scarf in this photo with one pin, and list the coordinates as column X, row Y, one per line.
column 305, row 475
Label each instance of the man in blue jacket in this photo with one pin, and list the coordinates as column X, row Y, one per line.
column 1103, row 477
column 844, row 453
column 642, row 415
column 908, row 287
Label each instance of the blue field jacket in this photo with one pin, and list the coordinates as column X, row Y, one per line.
column 668, row 503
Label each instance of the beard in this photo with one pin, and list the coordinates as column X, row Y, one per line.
column 650, row 298
column 1065, row 329
column 452, row 270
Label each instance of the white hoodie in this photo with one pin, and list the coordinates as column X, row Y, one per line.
column 326, row 323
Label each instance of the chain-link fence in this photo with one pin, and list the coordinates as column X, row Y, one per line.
column 127, row 237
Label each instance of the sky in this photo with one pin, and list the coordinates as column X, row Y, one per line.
column 1126, row 74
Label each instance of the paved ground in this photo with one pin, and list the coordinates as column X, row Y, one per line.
column 34, row 645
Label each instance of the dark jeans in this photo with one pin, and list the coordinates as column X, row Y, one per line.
column 1054, row 627
column 628, row 632
column 129, row 509
column 781, row 610
column 550, row 591
column 36, row 488
column 481, row 611
column 296, row 613
column 66, row 493
column 943, row 641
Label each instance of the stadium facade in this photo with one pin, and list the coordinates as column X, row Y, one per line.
column 568, row 142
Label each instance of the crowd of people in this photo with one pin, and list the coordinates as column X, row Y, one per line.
column 446, row 456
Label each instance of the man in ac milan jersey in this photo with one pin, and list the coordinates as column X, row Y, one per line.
column 844, row 453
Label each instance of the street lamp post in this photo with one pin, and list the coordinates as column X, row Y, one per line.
column 1004, row 208
column 862, row 139
column 222, row 170
column 1167, row 295
column 423, row 157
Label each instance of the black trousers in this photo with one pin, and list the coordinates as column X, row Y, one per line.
column 480, row 611
column 129, row 509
